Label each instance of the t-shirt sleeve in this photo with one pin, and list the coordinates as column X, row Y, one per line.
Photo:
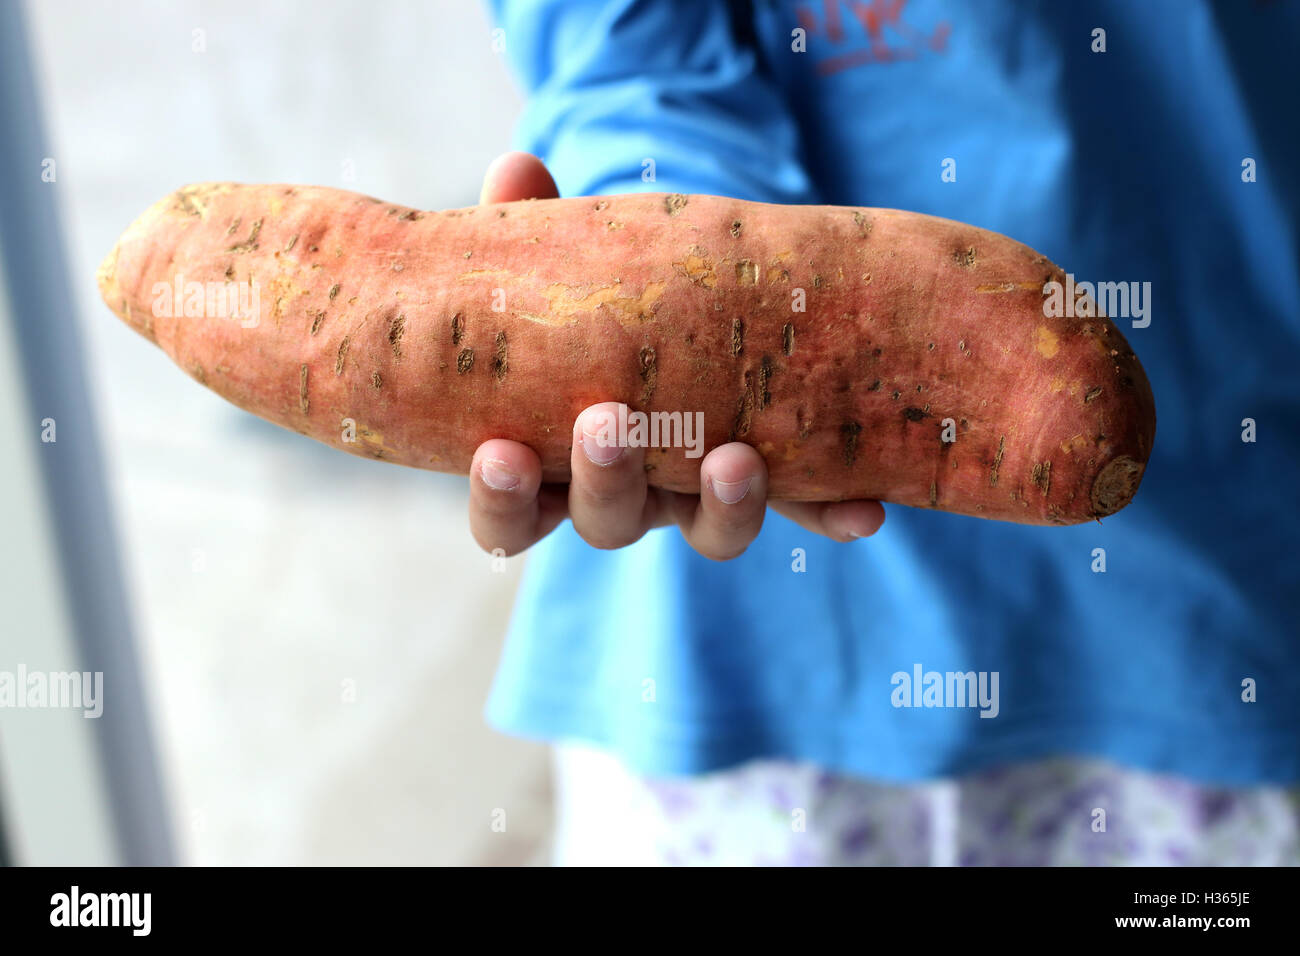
column 659, row 96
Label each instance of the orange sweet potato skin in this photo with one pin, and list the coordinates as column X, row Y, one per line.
column 434, row 331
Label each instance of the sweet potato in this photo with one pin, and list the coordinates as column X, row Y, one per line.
column 920, row 370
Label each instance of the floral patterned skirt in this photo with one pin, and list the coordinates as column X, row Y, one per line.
column 1060, row 812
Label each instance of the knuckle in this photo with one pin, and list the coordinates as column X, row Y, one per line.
column 603, row 496
column 498, row 506
column 733, row 523
column 609, row 492
column 603, row 537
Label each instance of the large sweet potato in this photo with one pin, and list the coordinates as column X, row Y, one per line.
column 921, row 368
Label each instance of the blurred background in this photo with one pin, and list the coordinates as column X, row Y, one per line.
column 314, row 634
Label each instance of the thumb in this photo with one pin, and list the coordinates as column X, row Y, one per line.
column 513, row 176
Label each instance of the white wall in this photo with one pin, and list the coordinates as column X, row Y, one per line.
column 266, row 570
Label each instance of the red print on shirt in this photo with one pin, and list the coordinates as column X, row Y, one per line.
column 887, row 36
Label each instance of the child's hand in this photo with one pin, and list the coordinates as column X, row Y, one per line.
column 607, row 497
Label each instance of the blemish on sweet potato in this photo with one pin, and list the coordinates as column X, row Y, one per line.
column 457, row 329
column 1047, row 342
column 649, row 372
column 803, row 423
column 787, row 338
column 500, row 363
column 737, row 336
column 1115, row 485
column 376, row 381
column 303, row 402
column 764, row 377
column 464, row 361
column 342, row 355
column 249, row 244
column 989, row 288
column 744, row 409
column 698, row 267
column 1042, row 476
column 997, row 462
column 849, row 433
column 675, row 203
column 193, row 200
column 396, row 329
column 914, row 414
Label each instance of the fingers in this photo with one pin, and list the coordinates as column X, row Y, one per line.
column 607, row 493
column 514, row 176
column 612, row 506
column 733, row 500
column 505, row 508
column 837, row 520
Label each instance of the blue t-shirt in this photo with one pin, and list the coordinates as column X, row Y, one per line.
column 1163, row 150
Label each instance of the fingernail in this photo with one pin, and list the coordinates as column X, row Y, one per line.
column 598, row 452
column 729, row 492
column 497, row 476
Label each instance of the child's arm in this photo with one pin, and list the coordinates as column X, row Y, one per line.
column 664, row 96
